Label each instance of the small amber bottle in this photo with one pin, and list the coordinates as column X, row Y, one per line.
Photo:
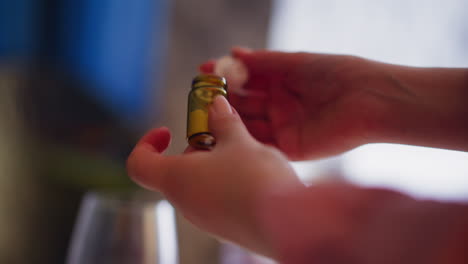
column 205, row 88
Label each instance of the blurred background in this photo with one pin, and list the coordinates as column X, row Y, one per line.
column 81, row 80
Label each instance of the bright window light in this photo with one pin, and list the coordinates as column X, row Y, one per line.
column 167, row 234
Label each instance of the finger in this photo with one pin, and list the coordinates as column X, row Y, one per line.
column 158, row 138
column 287, row 118
column 258, row 85
column 207, row 67
column 260, row 130
column 265, row 68
column 264, row 62
column 225, row 123
column 250, row 106
column 146, row 165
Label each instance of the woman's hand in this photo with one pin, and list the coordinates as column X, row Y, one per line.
column 315, row 105
column 307, row 105
column 216, row 190
column 246, row 192
column 311, row 105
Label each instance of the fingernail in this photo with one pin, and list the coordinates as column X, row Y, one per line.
column 207, row 67
column 221, row 105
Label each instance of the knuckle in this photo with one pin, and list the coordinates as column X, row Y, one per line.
column 131, row 165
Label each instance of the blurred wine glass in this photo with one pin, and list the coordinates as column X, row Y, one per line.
column 124, row 229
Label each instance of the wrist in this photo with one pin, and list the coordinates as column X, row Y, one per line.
column 417, row 106
column 416, row 232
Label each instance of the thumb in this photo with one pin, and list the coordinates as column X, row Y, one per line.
column 225, row 124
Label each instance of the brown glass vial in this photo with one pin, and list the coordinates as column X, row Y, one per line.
column 205, row 88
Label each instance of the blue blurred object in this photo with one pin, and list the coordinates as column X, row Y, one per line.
column 18, row 29
column 115, row 46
